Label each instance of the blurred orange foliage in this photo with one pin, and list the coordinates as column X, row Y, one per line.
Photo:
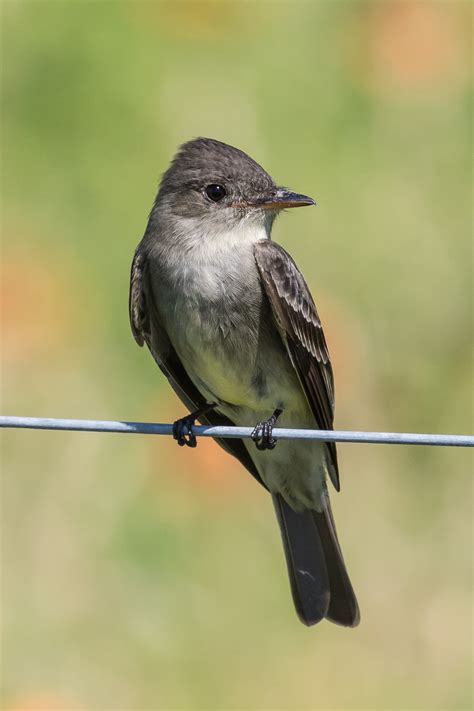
column 41, row 701
column 413, row 45
column 36, row 305
column 207, row 467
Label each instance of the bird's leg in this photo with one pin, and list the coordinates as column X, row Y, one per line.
column 262, row 433
column 183, row 428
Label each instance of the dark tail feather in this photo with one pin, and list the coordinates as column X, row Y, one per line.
column 306, row 562
column 318, row 577
column 343, row 607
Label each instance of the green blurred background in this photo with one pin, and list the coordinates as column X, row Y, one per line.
column 140, row 576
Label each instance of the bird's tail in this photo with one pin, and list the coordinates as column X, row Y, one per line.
column 318, row 577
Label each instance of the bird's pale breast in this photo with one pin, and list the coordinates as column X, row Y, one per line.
column 218, row 320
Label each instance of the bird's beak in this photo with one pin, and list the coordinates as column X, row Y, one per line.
column 282, row 199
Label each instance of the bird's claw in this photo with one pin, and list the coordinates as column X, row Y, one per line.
column 183, row 431
column 262, row 435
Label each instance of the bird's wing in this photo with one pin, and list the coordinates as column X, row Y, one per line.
column 146, row 328
column 298, row 322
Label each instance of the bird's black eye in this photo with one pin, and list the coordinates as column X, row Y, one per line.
column 215, row 192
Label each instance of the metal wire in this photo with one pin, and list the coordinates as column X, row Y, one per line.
column 48, row 423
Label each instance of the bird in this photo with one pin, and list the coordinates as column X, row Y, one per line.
column 230, row 321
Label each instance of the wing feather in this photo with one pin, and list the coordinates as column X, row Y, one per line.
column 295, row 313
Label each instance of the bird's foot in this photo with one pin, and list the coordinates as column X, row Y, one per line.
column 183, row 431
column 262, row 433
column 183, row 428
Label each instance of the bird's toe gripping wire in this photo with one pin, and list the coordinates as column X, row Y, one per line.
column 262, row 433
column 183, row 428
column 183, row 431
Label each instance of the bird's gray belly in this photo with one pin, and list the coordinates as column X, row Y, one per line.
column 232, row 358
column 230, row 347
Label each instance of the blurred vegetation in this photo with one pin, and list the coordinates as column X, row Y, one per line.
column 129, row 580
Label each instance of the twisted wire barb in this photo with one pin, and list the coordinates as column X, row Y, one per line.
column 49, row 423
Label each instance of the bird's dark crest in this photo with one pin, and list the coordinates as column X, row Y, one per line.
column 218, row 161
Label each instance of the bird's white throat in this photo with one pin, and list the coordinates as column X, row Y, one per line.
column 206, row 237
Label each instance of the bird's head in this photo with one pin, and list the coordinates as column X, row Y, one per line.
column 220, row 188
